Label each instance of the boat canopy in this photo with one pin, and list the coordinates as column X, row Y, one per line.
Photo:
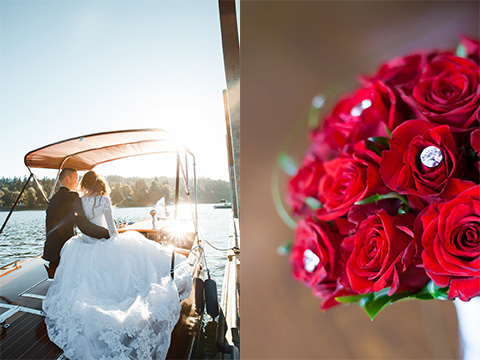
column 83, row 153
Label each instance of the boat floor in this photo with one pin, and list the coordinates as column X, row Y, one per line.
column 23, row 331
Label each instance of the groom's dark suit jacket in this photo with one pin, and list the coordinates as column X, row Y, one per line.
column 63, row 213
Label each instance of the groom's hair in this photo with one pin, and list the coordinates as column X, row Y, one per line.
column 66, row 172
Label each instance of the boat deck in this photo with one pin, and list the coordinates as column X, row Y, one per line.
column 23, row 331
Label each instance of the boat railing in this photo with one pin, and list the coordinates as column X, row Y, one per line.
column 5, row 269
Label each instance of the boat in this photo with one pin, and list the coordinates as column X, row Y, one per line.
column 23, row 285
column 224, row 204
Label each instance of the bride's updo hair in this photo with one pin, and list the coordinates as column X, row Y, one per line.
column 94, row 184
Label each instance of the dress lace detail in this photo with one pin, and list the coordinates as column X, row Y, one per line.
column 114, row 299
column 98, row 209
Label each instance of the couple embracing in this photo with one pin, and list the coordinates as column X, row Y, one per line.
column 112, row 296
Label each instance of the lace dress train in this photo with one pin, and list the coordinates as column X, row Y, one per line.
column 114, row 299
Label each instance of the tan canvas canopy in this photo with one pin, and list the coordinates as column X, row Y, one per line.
column 85, row 152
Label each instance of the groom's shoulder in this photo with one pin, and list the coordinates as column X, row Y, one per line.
column 64, row 195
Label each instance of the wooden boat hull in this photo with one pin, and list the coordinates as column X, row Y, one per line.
column 23, row 334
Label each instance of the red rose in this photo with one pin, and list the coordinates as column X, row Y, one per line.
column 358, row 213
column 448, row 92
column 401, row 72
column 451, row 241
column 364, row 114
column 384, row 255
column 475, row 140
column 472, row 48
column 475, row 144
column 408, row 168
column 347, row 179
column 315, row 257
column 320, row 147
column 304, row 184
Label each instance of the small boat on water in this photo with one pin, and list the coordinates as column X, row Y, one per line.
column 224, row 204
column 23, row 285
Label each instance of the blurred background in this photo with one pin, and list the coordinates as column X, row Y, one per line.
column 290, row 52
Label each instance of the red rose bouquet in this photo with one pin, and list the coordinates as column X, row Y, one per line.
column 387, row 199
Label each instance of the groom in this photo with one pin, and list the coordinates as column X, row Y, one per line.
column 63, row 213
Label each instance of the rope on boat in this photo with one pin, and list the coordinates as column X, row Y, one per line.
column 216, row 248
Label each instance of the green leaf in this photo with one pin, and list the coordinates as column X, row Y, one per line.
column 388, row 131
column 373, row 307
column 377, row 197
column 313, row 118
column 423, row 296
column 350, row 298
column 381, row 293
column 313, row 203
column 373, row 147
column 431, row 292
column 436, row 291
column 379, row 140
column 287, row 164
column 461, row 51
column 374, row 304
column 368, row 200
column 285, row 249
column 365, row 300
column 377, row 144
column 402, row 210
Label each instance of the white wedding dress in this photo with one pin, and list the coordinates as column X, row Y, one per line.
column 114, row 298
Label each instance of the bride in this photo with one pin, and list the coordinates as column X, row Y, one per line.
column 114, row 298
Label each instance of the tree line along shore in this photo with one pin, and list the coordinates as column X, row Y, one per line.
column 125, row 192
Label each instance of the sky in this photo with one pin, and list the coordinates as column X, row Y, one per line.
column 71, row 68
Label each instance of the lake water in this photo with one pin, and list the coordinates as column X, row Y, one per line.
column 24, row 235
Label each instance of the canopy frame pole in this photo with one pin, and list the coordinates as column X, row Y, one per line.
column 165, row 204
column 39, row 185
column 231, row 59
column 195, row 189
column 194, row 210
column 231, row 162
column 16, row 203
column 185, row 177
column 58, row 175
column 186, row 173
column 55, row 183
column 177, row 185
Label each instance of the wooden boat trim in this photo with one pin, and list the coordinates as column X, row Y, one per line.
column 9, row 271
column 18, row 265
column 12, row 263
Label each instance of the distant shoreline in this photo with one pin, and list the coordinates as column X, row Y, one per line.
column 115, row 207
column 125, row 192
